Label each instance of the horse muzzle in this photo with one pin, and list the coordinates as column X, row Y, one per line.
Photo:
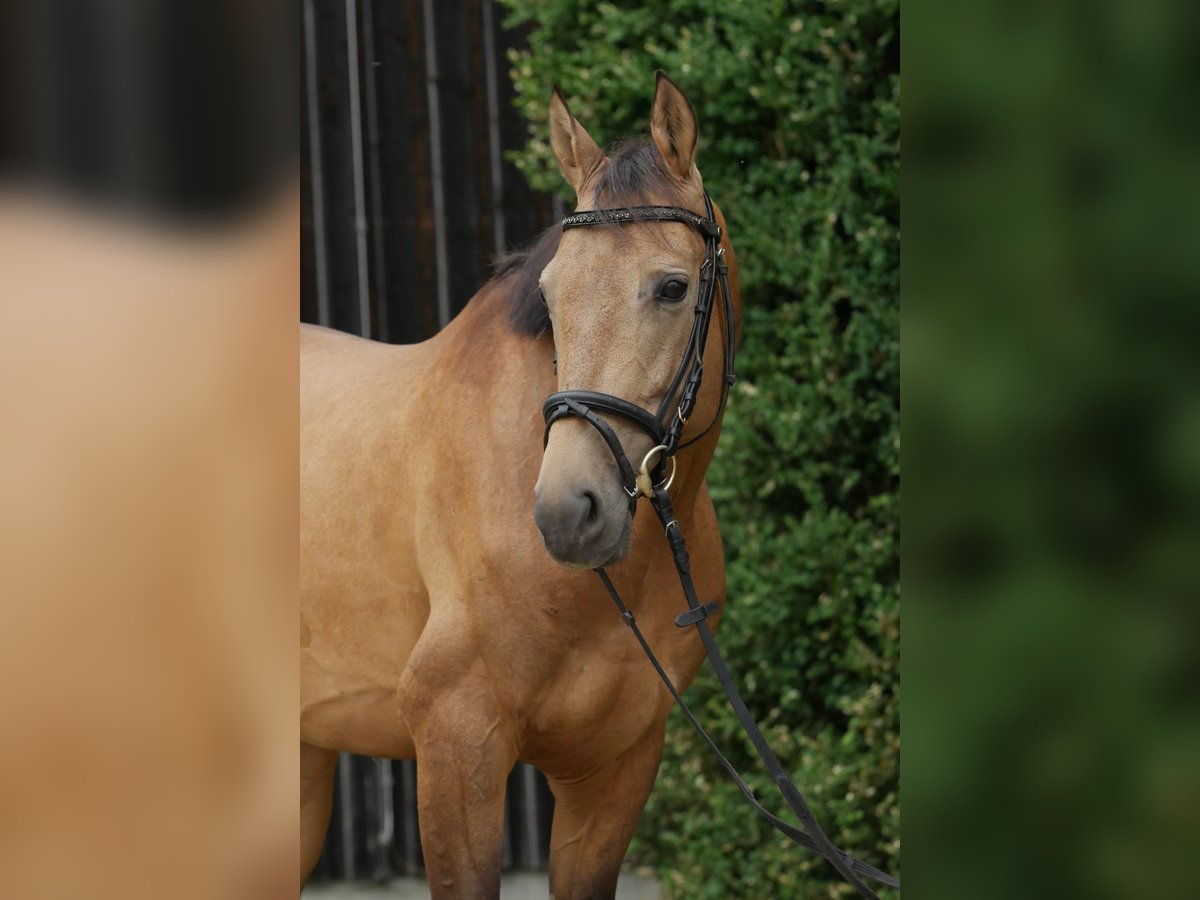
column 580, row 527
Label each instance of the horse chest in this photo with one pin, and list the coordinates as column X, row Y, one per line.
column 597, row 699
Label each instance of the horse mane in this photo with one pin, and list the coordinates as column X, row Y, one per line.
column 527, row 312
column 635, row 175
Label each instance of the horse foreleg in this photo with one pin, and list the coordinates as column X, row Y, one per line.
column 595, row 816
column 316, row 801
column 465, row 750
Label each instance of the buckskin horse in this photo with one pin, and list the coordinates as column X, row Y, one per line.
column 447, row 610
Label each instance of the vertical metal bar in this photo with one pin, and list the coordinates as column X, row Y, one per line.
column 356, row 161
column 493, row 107
column 346, row 808
column 386, row 836
column 531, row 852
column 316, row 170
column 435, row 160
column 366, row 781
column 507, row 837
column 379, row 254
column 412, row 820
column 408, row 838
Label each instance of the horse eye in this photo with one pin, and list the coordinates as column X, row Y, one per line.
column 673, row 290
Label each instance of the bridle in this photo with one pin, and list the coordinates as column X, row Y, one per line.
column 667, row 434
column 651, row 481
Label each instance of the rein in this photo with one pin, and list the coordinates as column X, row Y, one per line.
column 652, row 482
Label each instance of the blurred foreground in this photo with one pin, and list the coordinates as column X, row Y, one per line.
column 148, row 300
column 147, row 544
column 1051, row 293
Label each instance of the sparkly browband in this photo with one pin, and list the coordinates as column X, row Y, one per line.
column 706, row 227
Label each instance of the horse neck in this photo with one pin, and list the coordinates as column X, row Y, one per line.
column 480, row 348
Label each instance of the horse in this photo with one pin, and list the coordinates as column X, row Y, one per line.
column 447, row 610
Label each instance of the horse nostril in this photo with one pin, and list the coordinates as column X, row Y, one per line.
column 593, row 507
column 571, row 519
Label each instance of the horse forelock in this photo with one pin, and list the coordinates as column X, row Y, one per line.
column 636, row 174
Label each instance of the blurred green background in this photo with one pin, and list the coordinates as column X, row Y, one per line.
column 799, row 112
column 1052, row 460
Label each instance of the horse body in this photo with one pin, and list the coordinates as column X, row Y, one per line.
column 426, row 590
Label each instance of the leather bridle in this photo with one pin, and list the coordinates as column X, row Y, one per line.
column 665, row 433
column 651, row 481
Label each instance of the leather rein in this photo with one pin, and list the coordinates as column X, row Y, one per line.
column 652, row 482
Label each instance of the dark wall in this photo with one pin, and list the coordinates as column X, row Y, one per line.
column 406, row 194
column 406, row 198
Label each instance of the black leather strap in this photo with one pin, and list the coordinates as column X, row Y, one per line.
column 622, row 215
column 814, row 837
column 692, row 616
column 662, row 506
column 568, row 406
column 608, row 403
column 713, row 272
column 800, row 837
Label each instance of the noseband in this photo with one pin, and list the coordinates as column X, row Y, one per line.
column 665, row 432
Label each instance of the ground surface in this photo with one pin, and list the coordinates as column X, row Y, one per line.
column 515, row 886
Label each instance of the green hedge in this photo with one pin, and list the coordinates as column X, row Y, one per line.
column 799, row 113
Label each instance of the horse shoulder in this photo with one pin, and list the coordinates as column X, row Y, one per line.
column 363, row 602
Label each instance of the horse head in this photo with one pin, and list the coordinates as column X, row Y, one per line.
column 629, row 301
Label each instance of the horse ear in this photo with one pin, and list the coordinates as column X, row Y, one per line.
column 673, row 126
column 577, row 154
